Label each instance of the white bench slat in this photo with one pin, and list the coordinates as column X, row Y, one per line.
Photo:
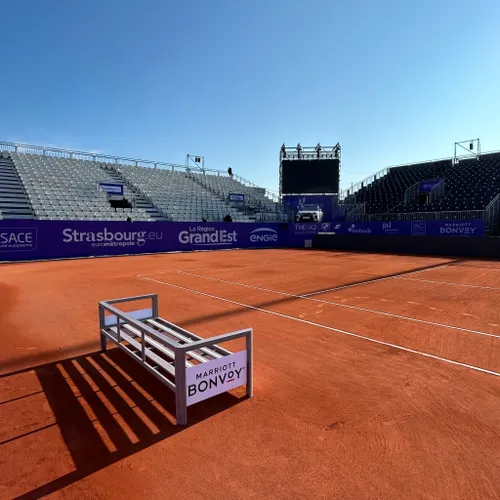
column 154, row 357
column 154, row 343
column 188, row 341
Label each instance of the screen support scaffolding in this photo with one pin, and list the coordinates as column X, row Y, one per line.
column 299, row 152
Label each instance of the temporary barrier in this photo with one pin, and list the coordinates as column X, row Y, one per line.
column 194, row 368
column 33, row 240
column 304, row 232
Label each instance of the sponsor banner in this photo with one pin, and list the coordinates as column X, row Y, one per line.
column 418, row 228
column 116, row 189
column 299, row 232
column 240, row 198
column 327, row 203
column 28, row 240
column 17, row 239
column 214, row 377
column 461, row 228
column 426, row 186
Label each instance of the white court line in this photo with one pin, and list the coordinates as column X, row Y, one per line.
column 326, row 327
column 367, row 282
column 450, row 283
column 346, row 306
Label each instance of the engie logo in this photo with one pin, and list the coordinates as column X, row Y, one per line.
column 418, row 228
column 264, row 235
column 17, row 239
column 460, row 228
column 208, row 379
column 207, row 236
column 107, row 238
column 354, row 230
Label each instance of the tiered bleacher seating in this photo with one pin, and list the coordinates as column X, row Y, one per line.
column 225, row 185
column 470, row 186
column 14, row 203
column 384, row 193
column 67, row 189
column 177, row 195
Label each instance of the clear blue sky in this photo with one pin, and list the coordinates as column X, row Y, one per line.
column 392, row 81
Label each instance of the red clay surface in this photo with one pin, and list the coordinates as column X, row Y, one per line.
column 334, row 416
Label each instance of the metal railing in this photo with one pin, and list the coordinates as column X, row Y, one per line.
column 358, row 185
column 411, row 194
column 273, row 217
column 437, row 191
column 16, row 147
column 356, row 213
column 492, row 212
column 458, row 215
column 344, row 193
column 344, row 208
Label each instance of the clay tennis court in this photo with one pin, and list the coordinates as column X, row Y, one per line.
column 375, row 376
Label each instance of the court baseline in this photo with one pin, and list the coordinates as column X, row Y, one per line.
column 448, row 283
column 366, row 282
column 337, row 304
column 326, row 327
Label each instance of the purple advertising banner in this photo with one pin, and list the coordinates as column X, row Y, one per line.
column 327, row 203
column 426, row 186
column 30, row 240
column 300, row 232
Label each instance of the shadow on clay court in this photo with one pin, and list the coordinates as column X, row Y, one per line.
column 107, row 407
column 13, row 363
column 284, row 299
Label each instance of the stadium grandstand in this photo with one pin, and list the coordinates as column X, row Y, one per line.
column 456, row 188
column 54, row 184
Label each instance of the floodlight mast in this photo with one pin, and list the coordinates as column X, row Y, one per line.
column 195, row 160
column 472, row 148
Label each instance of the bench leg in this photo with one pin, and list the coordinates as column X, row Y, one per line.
column 180, row 415
column 180, row 388
column 104, row 343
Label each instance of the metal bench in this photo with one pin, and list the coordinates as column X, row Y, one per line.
column 193, row 367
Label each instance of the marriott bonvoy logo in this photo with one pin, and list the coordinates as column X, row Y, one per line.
column 207, row 236
column 461, row 228
column 214, row 377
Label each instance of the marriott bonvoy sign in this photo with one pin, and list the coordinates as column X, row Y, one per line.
column 214, row 377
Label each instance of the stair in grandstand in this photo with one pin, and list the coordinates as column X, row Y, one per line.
column 140, row 200
column 14, row 202
column 236, row 212
column 256, row 205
